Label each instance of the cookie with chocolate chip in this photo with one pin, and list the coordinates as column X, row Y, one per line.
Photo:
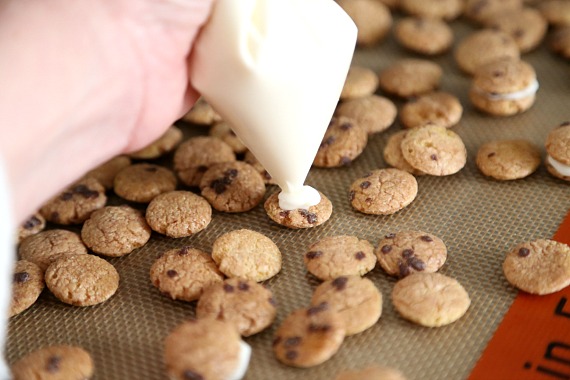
column 342, row 143
column 357, row 300
column 76, row 203
column 247, row 254
column 557, row 154
column 434, row 9
column 106, row 172
column 46, row 247
column 440, row 108
column 184, row 273
column 481, row 10
column 373, row 113
column 142, row 182
column 249, row 306
column 27, row 285
column 383, row 191
column 372, row 18
column 424, row 35
column 342, row 255
column 34, row 224
column 164, row 144
column 508, row 159
column 360, row 81
column 526, row 26
column 405, row 252
column 410, row 77
column 393, row 154
column 299, row 218
column 55, row 362
column 538, row 267
column 224, row 132
column 309, row 337
column 202, row 113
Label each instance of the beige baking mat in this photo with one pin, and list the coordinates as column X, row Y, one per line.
column 479, row 219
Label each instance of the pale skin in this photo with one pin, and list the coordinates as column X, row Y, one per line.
column 83, row 81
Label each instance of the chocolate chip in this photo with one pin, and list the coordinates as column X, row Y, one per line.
column 171, row 273
column 317, row 309
column 524, row 252
column 433, row 157
column 266, row 175
column 313, row 254
column 346, row 126
column 277, row 340
column 85, row 192
column 351, row 195
column 31, row 223
column 272, row 301
column 386, row 249
column 21, row 277
column 340, row 283
column 390, row 236
column 359, row 255
column 497, row 73
column 231, row 174
column 53, row 362
column 328, row 141
column 417, row 264
column 54, row 216
column 228, row 288
column 243, row 286
column 368, row 200
column 151, row 169
column 344, row 160
column 518, row 33
column 311, row 218
column 365, row 185
column 219, row 185
column 315, row 328
column 404, row 269
column 284, row 214
column 291, row 355
column 201, row 168
column 183, row 251
column 491, row 154
column 406, row 253
column 292, row 342
column 191, row 375
column 66, row 196
column 565, row 124
column 426, row 238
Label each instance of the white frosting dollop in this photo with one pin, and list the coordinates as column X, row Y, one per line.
column 303, row 198
column 559, row 166
column 529, row 90
column 244, row 356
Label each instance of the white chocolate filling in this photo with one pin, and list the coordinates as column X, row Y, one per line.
column 529, row 90
column 304, row 198
column 559, row 166
column 243, row 364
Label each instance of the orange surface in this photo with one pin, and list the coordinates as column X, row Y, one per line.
column 533, row 340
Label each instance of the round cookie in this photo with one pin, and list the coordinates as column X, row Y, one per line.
column 434, row 150
column 372, row 18
column 373, row 113
column 252, row 160
column 430, row 299
column 202, row 113
column 504, row 87
column 360, row 82
column 106, row 172
column 439, row 108
column 343, row 255
column 183, row 274
column 372, row 373
column 357, row 300
column 194, row 156
column 299, row 218
column 481, row 10
column 55, row 363
column 115, row 231
column 406, row 252
column 556, row 12
column 434, row 9
column 232, row 186
column 164, row 144
column 224, row 132
column 247, row 254
column 559, row 42
column 27, row 285
column 31, row 226
column 142, row 182
column 424, row 35
column 538, row 267
column 178, row 214
column 508, row 159
column 410, row 77
column 82, row 280
column 383, row 191
column 249, row 306
column 393, row 154
column 558, row 156
column 342, row 143
column 526, row 26
column 484, row 46
column 76, row 203
column 309, row 337
column 46, row 247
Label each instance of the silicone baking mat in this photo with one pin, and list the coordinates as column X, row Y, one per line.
column 479, row 219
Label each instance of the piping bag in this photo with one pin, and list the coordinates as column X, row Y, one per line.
column 274, row 70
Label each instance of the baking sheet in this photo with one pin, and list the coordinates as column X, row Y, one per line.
column 479, row 220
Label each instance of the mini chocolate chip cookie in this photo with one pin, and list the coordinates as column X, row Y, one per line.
column 249, row 306
column 309, row 337
column 82, row 280
column 55, row 363
column 360, row 82
column 106, row 172
column 557, row 154
column 393, row 154
column 410, row 77
column 164, row 144
column 373, row 113
column 31, row 226
column 424, row 35
column 194, row 156
column 372, row 18
column 336, row 256
column 556, row 12
column 508, row 159
column 383, row 191
column 299, row 218
column 357, row 300
column 342, row 143
column 202, row 113
column 526, row 26
column 481, row 10
column 435, row 9
column 183, row 274
column 142, row 182
column 178, row 214
column 48, row 246
column 27, row 285
column 115, row 231
column 247, row 254
column 76, row 203
column 403, row 253
column 224, row 132
column 439, row 108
